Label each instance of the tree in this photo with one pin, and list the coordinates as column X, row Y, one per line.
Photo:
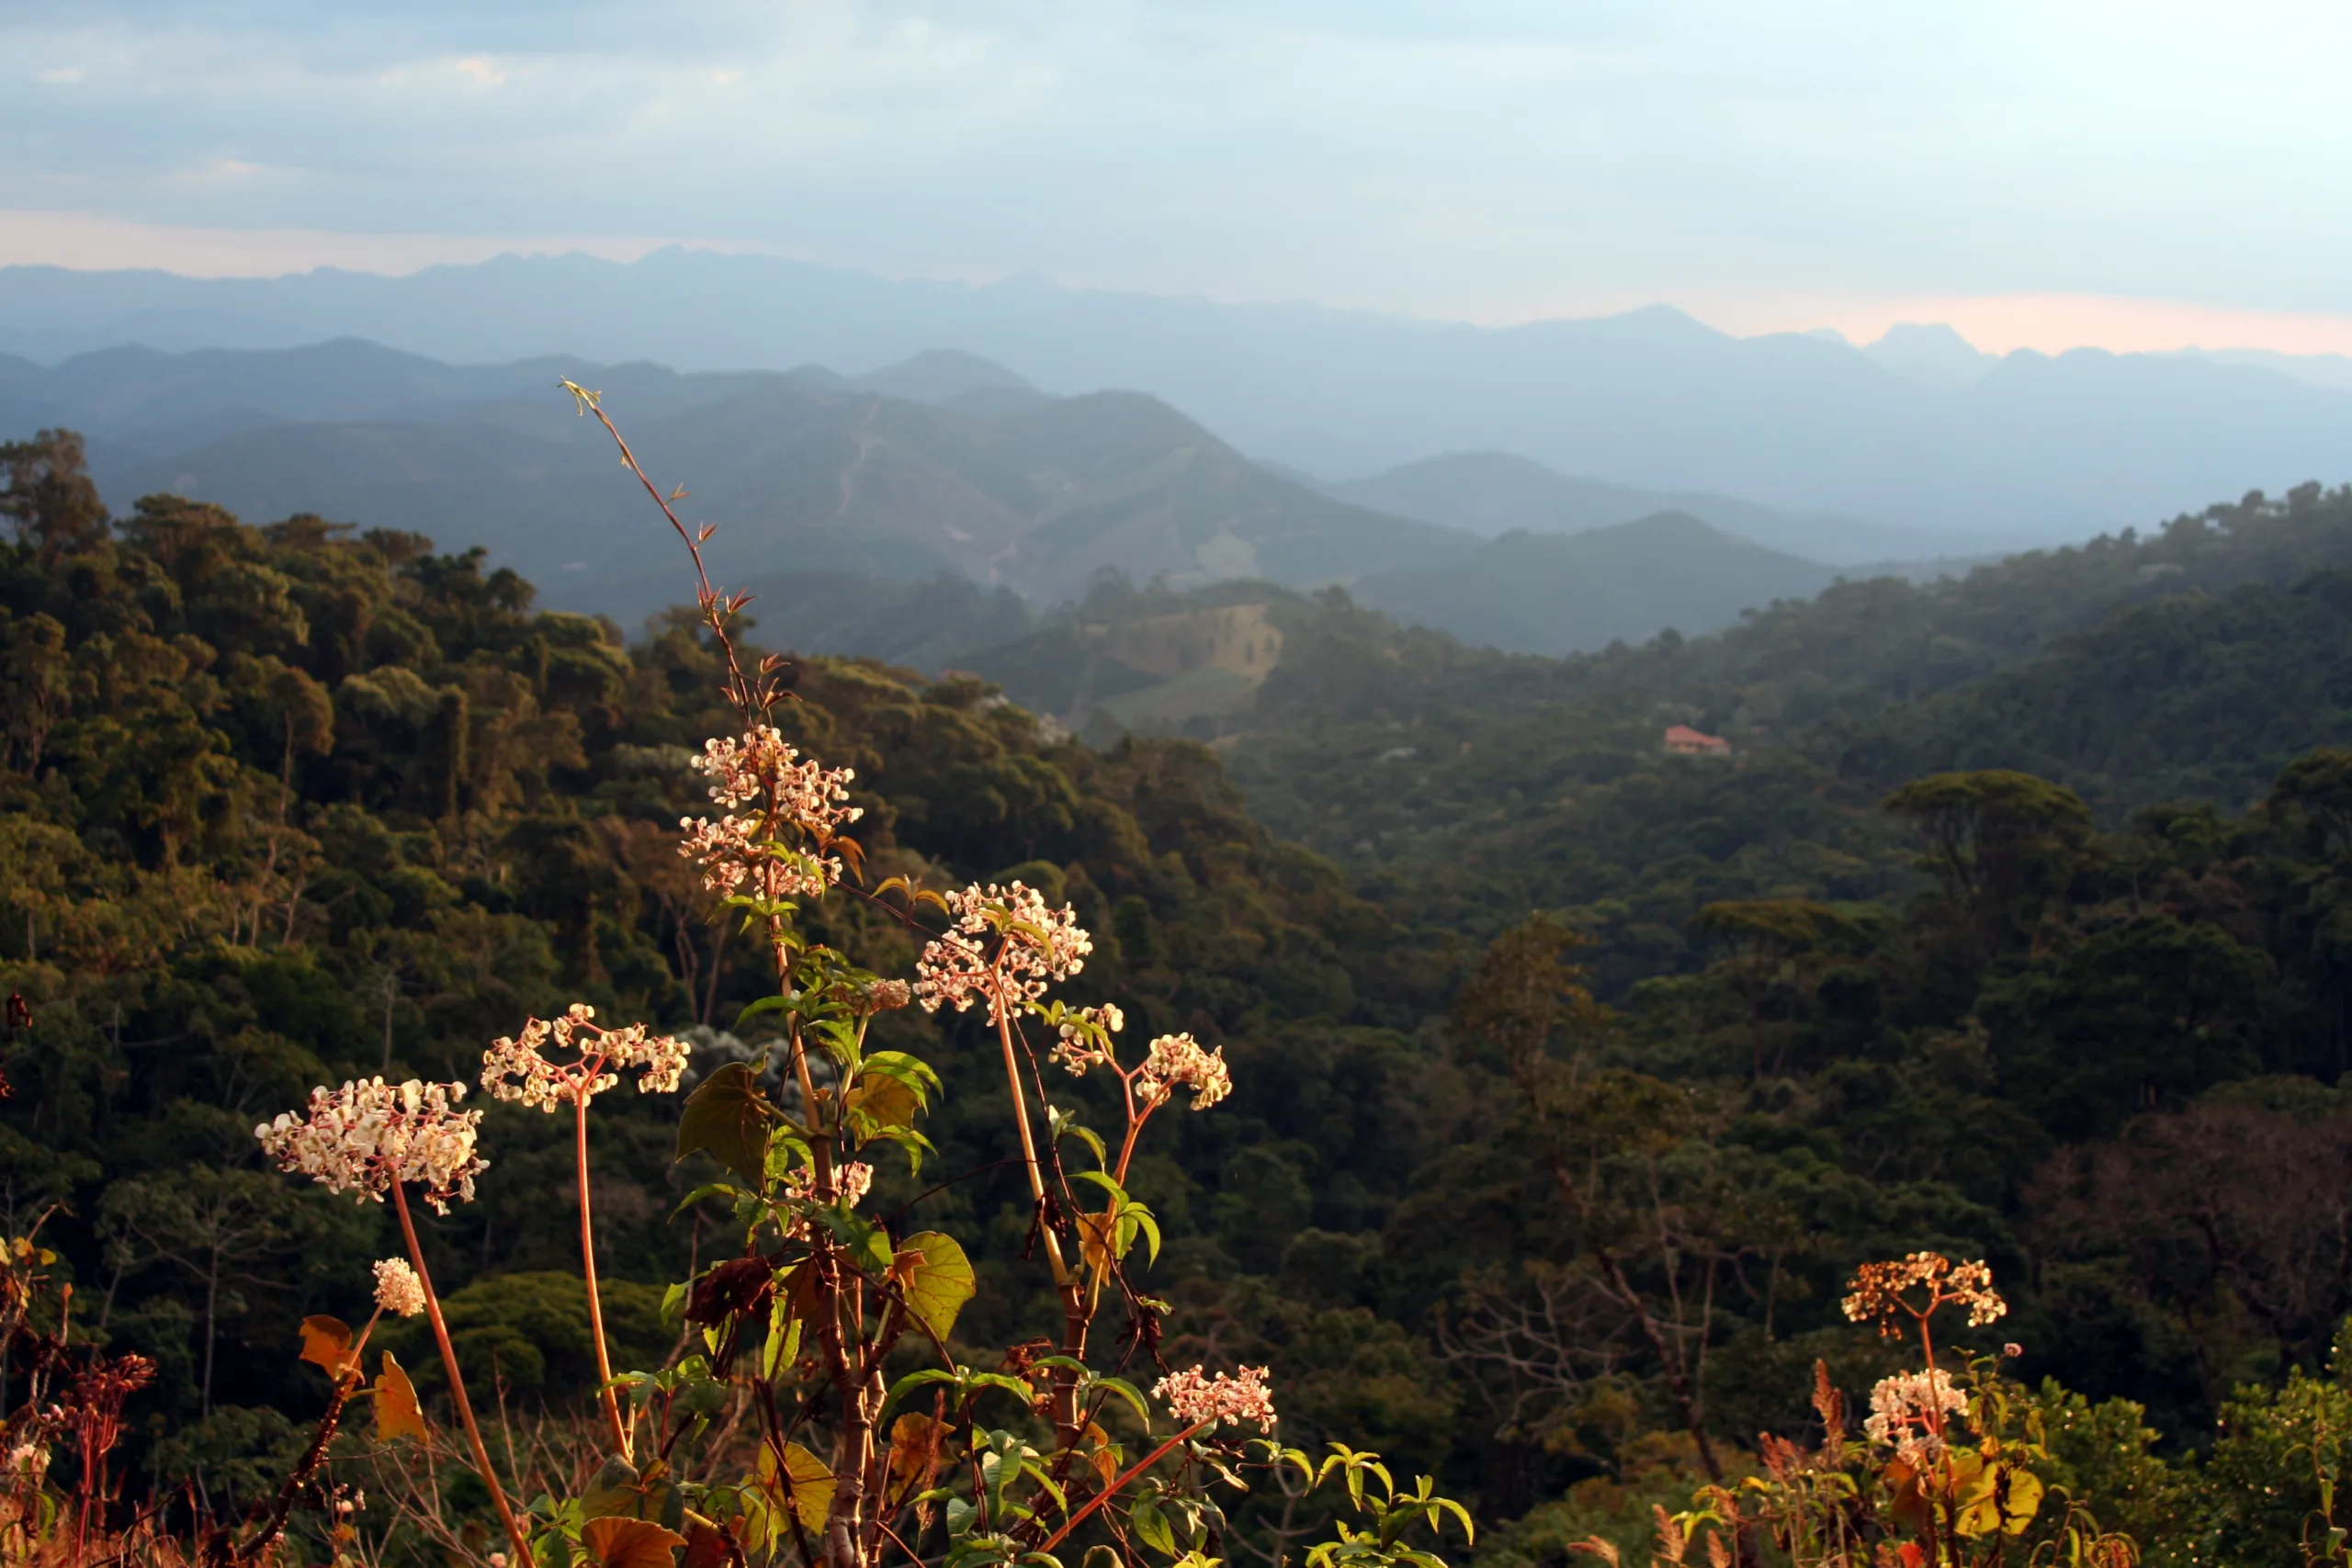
column 217, row 1226
column 50, row 495
column 1997, row 840
column 1768, row 939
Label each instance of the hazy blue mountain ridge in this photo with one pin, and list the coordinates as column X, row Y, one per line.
column 2053, row 447
column 805, row 471
column 1493, row 493
column 1559, row 594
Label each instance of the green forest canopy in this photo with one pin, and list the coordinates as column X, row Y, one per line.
column 288, row 804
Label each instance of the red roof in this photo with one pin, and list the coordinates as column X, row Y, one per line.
column 1683, row 735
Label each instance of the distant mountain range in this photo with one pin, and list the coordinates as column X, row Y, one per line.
column 922, row 511
column 1492, row 493
column 983, row 478
column 1568, row 593
column 1919, row 432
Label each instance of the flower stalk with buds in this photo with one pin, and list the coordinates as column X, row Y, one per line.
column 588, row 1059
column 374, row 1138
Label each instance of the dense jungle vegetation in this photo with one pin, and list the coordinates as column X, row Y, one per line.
column 2019, row 929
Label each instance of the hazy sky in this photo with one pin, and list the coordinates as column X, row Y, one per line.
column 2137, row 172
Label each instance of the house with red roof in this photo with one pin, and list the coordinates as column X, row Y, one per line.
column 1685, row 741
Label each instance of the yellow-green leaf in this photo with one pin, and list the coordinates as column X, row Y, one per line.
column 1989, row 1496
column 398, row 1414
column 326, row 1342
column 935, row 1278
column 629, row 1543
column 886, row 1100
column 806, row 1484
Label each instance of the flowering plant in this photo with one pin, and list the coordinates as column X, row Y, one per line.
column 821, row 1405
column 369, row 1137
column 1949, row 1469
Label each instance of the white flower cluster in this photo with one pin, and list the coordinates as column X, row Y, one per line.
column 788, row 798
column 367, row 1135
column 1039, row 944
column 518, row 1069
column 1177, row 1060
column 882, row 995
column 1879, row 1291
column 1079, row 1048
column 1907, row 1414
column 1194, row 1399
column 398, row 1290
column 851, row 1179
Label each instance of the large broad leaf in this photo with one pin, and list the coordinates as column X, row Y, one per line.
column 619, row 1492
column 937, row 1279
column 886, row 1101
column 914, row 1456
column 728, row 1116
column 629, row 1543
column 398, row 1414
column 806, row 1485
column 706, row 1547
column 326, row 1342
column 1989, row 1495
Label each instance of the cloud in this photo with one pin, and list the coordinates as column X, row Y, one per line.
column 1484, row 159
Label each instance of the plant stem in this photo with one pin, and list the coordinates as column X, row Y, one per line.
column 588, row 1272
column 1119, row 1485
column 346, row 1382
column 1021, row 1122
column 458, row 1382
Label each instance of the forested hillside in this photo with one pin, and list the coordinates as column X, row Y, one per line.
column 2194, row 661
column 1557, row 1208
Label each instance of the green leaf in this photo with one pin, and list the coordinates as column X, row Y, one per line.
column 1127, row 1391
column 707, row 1189
column 783, row 1346
column 765, row 1004
column 1152, row 1525
column 936, row 1280
column 1137, row 1218
column 1087, row 1135
column 868, row 1244
column 728, row 1117
column 912, row 1071
column 914, row 1381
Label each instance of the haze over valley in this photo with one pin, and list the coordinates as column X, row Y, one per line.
column 1914, row 457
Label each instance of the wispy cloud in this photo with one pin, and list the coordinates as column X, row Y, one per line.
column 1490, row 158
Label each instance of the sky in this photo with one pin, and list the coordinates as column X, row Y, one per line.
column 2037, row 173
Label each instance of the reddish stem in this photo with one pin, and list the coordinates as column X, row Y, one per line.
column 1120, row 1484
column 621, row 1444
column 457, row 1382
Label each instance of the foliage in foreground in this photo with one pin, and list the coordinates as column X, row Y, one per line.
column 466, row 830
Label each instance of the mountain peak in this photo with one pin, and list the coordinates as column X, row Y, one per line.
column 1932, row 354
column 941, row 375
